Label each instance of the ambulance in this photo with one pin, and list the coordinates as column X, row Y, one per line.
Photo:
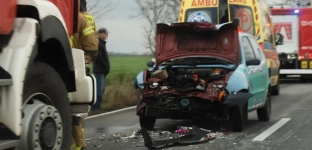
column 254, row 17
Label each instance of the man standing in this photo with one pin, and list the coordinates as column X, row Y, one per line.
column 101, row 67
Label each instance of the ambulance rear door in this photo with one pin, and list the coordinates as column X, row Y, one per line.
column 244, row 11
column 199, row 11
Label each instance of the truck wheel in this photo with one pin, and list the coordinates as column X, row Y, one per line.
column 147, row 122
column 237, row 119
column 46, row 110
column 276, row 88
column 264, row 113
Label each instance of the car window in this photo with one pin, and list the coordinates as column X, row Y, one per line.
column 248, row 52
column 256, row 47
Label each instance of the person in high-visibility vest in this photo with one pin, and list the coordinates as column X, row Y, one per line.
column 84, row 11
column 86, row 40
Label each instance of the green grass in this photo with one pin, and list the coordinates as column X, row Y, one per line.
column 119, row 90
column 125, row 68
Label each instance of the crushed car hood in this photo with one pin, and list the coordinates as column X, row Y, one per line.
column 179, row 40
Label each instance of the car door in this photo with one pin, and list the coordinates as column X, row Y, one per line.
column 261, row 77
column 251, row 72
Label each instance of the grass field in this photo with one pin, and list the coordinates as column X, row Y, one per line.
column 119, row 90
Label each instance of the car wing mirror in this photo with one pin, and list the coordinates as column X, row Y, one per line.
column 150, row 64
column 253, row 62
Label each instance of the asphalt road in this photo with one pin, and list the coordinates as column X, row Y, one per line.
column 288, row 129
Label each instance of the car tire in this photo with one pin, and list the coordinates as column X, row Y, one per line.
column 276, row 88
column 237, row 119
column 42, row 78
column 147, row 122
column 264, row 113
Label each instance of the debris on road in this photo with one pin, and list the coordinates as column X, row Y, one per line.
column 196, row 136
column 181, row 132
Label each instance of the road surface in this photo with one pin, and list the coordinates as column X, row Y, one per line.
column 288, row 129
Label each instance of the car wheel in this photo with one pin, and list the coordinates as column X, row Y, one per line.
column 276, row 88
column 264, row 113
column 147, row 122
column 46, row 110
column 237, row 119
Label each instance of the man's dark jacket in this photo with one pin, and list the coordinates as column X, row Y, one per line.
column 101, row 63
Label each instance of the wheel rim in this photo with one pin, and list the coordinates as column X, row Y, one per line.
column 42, row 125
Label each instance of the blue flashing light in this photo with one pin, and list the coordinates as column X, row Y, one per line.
column 296, row 11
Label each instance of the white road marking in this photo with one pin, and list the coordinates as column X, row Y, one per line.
column 271, row 130
column 111, row 112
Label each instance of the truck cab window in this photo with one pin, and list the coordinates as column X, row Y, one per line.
column 248, row 51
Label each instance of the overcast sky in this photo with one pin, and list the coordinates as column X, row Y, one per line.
column 125, row 32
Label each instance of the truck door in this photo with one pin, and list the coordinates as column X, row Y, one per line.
column 305, row 30
column 244, row 11
column 199, row 11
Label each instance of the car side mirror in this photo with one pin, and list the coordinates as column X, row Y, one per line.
column 253, row 62
column 150, row 64
column 279, row 39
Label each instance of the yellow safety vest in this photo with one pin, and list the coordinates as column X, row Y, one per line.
column 71, row 41
column 91, row 21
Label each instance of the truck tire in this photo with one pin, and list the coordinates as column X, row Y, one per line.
column 147, row 122
column 46, row 110
column 264, row 113
column 237, row 119
column 276, row 88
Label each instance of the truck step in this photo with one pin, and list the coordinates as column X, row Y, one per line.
column 5, row 82
column 5, row 144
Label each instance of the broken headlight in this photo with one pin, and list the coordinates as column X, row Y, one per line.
column 217, row 86
column 154, row 85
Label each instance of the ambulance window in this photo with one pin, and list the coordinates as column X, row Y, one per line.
column 248, row 51
column 202, row 15
column 245, row 16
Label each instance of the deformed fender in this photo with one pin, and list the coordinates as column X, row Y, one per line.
column 239, row 99
column 237, row 82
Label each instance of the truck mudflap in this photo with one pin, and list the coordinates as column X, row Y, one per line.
column 295, row 71
column 239, row 99
column 195, row 137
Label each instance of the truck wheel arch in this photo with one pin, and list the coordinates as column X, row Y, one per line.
column 54, row 49
column 53, row 42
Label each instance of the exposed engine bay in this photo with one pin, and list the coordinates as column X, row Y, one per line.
column 205, row 83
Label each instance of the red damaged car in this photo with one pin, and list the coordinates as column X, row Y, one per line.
column 201, row 72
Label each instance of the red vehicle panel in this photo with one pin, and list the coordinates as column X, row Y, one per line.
column 7, row 15
column 69, row 10
column 305, row 36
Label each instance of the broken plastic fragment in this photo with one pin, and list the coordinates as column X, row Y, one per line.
column 196, row 136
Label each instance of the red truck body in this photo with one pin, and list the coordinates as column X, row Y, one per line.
column 8, row 10
column 304, row 29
